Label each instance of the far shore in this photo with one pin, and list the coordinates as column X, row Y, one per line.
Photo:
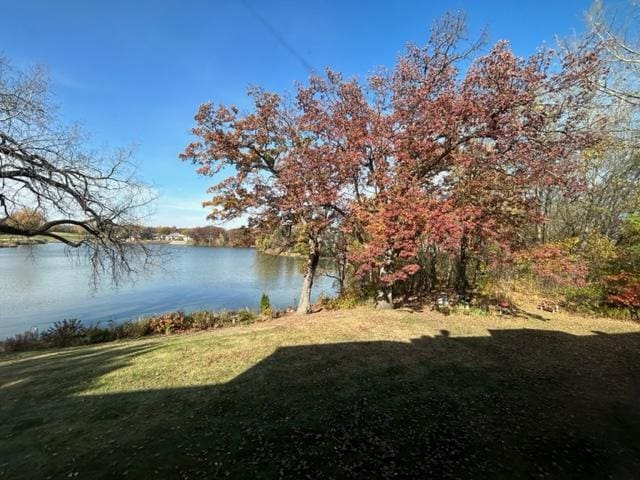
column 7, row 241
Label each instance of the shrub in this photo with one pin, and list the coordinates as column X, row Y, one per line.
column 585, row 299
column 97, row 334
column 342, row 301
column 204, row 320
column 244, row 316
column 600, row 254
column 553, row 265
column 30, row 340
column 132, row 329
column 72, row 332
column 350, row 298
column 624, row 291
column 169, row 322
column 614, row 312
column 265, row 304
column 223, row 319
column 470, row 310
column 65, row 333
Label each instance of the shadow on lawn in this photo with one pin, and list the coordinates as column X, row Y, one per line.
column 519, row 312
column 517, row 403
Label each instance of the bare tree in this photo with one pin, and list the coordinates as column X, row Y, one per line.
column 45, row 169
column 617, row 34
column 609, row 174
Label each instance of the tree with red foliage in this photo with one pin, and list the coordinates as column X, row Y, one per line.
column 464, row 155
column 529, row 125
column 425, row 154
column 284, row 172
column 555, row 265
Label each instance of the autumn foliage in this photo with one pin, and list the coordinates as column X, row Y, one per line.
column 624, row 291
column 555, row 265
column 425, row 172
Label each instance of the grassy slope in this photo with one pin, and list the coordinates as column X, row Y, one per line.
column 352, row 393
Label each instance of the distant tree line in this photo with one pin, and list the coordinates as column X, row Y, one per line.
column 220, row 237
column 210, row 236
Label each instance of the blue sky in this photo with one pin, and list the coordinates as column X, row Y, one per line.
column 134, row 72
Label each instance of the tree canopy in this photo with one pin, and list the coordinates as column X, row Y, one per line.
column 458, row 159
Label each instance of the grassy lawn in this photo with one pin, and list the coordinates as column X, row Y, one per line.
column 354, row 393
column 12, row 239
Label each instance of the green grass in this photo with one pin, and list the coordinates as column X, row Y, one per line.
column 353, row 393
column 12, row 239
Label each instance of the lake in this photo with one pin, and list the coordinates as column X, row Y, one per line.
column 41, row 284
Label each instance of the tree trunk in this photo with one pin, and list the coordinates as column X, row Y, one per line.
column 304, row 305
column 384, row 298
column 341, row 273
column 461, row 278
column 433, row 272
column 544, row 199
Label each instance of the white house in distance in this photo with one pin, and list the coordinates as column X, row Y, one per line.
column 177, row 238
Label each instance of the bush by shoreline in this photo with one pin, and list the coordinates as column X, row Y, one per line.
column 72, row 332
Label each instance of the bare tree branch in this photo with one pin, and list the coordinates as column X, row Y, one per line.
column 46, row 172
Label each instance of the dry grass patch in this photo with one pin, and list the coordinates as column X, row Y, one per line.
column 350, row 393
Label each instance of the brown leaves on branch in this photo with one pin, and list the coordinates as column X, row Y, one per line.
column 448, row 145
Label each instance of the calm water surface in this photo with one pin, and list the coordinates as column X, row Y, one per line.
column 40, row 284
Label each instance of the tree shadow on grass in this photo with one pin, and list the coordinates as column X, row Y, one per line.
column 519, row 312
column 514, row 404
